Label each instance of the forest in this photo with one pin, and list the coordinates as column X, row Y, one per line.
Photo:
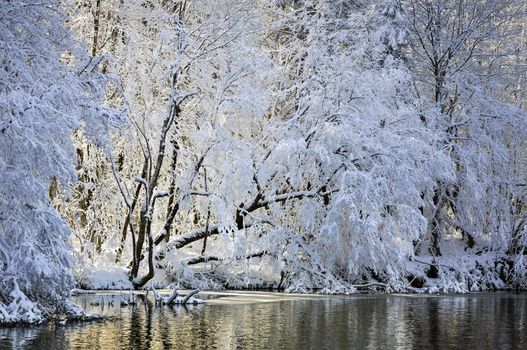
column 336, row 146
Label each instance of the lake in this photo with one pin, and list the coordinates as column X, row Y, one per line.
column 259, row 320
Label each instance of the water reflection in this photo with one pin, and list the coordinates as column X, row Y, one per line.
column 483, row 321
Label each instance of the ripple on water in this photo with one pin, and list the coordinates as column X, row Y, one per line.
column 269, row 321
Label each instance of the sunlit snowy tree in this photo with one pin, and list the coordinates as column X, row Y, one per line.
column 190, row 103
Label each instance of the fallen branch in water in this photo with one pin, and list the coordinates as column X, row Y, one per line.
column 189, row 296
column 173, row 297
column 157, row 297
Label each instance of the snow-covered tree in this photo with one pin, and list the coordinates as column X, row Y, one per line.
column 349, row 163
column 197, row 53
column 47, row 92
column 333, row 174
column 461, row 59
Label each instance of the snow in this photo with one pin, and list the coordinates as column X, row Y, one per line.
column 114, row 279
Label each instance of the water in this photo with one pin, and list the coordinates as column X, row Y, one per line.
column 270, row 321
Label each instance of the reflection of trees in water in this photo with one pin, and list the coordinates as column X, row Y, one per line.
column 486, row 321
column 32, row 337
